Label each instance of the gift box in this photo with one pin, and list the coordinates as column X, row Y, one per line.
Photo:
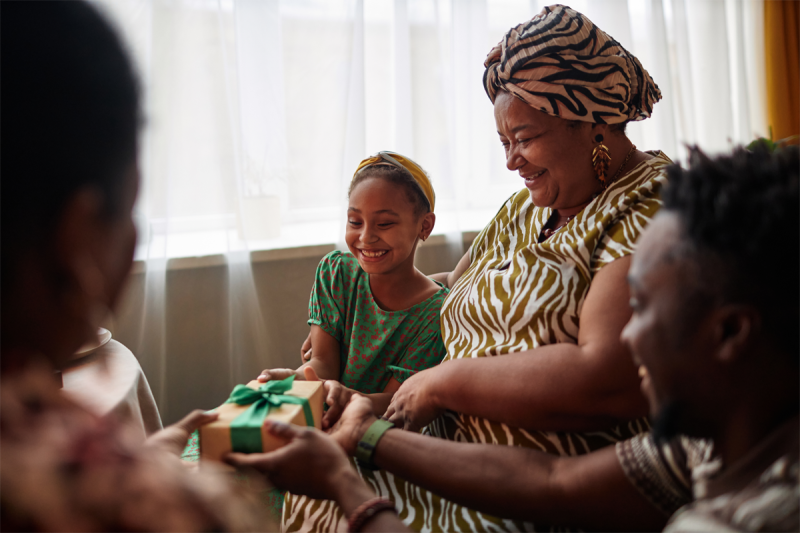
column 240, row 426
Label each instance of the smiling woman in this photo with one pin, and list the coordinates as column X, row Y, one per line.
column 532, row 323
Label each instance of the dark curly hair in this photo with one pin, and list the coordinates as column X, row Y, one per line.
column 740, row 212
column 71, row 114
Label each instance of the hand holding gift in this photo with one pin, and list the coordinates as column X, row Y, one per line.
column 240, row 424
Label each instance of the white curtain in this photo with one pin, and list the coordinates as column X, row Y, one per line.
column 258, row 111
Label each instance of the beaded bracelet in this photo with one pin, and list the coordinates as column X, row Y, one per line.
column 366, row 511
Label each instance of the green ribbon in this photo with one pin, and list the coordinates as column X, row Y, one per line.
column 246, row 428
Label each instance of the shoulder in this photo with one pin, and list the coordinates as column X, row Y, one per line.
column 517, row 202
column 512, row 206
column 625, row 209
column 646, row 176
column 430, row 307
column 338, row 261
column 438, row 297
column 768, row 502
column 511, row 214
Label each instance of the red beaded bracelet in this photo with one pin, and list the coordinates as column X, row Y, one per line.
column 366, row 511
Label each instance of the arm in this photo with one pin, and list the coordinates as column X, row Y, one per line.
column 313, row 464
column 590, row 491
column 590, row 385
column 448, row 279
column 326, row 359
column 337, row 396
column 325, row 362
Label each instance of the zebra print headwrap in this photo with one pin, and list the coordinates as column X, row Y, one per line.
column 560, row 63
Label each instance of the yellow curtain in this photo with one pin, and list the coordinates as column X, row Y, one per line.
column 781, row 28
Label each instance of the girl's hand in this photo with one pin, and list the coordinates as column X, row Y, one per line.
column 173, row 438
column 305, row 350
column 414, row 405
column 277, row 374
column 312, row 463
column 337, row 397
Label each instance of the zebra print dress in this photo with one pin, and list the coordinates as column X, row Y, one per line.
column 516, row 295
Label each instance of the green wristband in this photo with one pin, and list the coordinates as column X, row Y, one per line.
column 366, row 446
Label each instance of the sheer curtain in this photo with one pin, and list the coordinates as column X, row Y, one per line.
column 258, row 111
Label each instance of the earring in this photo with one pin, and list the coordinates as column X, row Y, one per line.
column 601, row 161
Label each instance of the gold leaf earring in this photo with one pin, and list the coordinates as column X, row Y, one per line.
column 601, row 161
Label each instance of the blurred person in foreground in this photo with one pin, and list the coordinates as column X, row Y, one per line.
column 70, row 118
column 715, row 297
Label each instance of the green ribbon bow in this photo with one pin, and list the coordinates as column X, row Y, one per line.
column 246, row 428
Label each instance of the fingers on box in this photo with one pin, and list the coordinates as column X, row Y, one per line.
column 224, row 435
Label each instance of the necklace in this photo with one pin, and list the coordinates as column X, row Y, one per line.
column 625, row 162
column 547, row 232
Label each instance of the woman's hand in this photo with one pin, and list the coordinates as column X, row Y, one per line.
column 414, row 405
column 173, row 438
column 312, row 463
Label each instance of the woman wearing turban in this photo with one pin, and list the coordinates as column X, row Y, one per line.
column 536, row 307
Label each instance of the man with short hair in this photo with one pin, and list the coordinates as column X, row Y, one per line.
column 714, row 289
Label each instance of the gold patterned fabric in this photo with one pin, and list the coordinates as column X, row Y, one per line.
column 516, row 295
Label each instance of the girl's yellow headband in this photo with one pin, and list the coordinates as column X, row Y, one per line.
column 404, row 163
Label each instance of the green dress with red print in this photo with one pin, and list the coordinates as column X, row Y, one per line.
column 375, row 345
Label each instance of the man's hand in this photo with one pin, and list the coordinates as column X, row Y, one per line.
column 173, row 438
column 354, row 422
column 312, row 463
column 414, row 406
column 277, row 374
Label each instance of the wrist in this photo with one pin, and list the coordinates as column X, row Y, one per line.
column 362, row 428
column 349, row 490
column 442, row 376
column 365, row 449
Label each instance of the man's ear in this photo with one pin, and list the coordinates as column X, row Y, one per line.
column 428, row 221
column 736, row 327
column 77, row 237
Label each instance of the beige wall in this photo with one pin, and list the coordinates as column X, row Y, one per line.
column 195, row 373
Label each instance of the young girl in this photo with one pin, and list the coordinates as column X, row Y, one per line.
column 374, row 317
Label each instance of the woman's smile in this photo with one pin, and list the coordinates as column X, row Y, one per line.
column 532, row 179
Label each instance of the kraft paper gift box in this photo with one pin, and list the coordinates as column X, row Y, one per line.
column 240, row 426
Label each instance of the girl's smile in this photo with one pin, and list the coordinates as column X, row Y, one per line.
column 382, row 227
column 372, row 255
